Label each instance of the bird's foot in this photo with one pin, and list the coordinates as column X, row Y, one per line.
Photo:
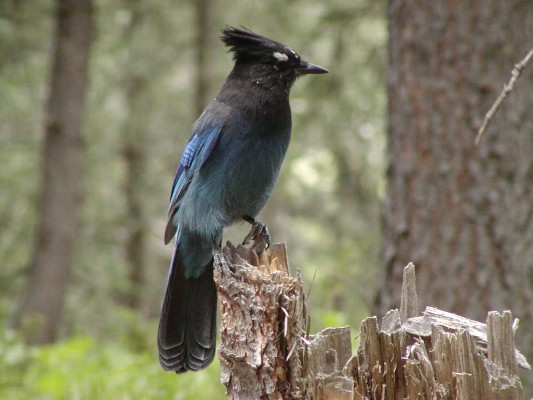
column 259, row 234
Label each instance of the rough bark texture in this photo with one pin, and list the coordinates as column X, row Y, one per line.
column 255, row 338
column 462, row 213
column 62, row 171
column 266, row 354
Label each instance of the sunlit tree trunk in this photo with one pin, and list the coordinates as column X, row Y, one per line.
column 62, row 171
column 463, row 214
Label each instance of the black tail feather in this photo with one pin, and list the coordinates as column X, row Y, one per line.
column 187, row 329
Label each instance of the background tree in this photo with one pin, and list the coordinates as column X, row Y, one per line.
column 62, row 171
column 461, row 213
column 134, row 150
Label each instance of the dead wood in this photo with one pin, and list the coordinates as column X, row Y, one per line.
column 265, row 351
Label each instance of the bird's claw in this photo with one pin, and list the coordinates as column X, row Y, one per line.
column 260, row 235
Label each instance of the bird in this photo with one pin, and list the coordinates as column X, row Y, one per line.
column 226, row 175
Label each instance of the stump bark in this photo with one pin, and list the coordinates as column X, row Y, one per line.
column 266, row 352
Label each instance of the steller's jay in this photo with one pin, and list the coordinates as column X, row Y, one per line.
column 226, row 174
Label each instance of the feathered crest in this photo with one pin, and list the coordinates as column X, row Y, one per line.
column 244, row 44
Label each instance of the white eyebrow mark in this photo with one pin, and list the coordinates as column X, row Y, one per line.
column 280, row 56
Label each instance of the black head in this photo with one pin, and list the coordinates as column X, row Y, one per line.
column 266, row 55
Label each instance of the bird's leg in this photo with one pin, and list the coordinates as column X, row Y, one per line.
column 259, row 234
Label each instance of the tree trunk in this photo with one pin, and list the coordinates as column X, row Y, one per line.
column 134, row 148
column 62, row 171
column 462, row 213
column 134, row 152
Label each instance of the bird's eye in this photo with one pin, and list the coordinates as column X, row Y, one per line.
column 296, row 56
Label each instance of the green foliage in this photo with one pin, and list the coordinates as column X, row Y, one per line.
column 84, row 368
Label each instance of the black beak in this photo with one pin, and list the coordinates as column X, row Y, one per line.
column 308, row 68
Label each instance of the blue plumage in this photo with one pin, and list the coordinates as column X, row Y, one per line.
column 226, row 174
column 197, row 152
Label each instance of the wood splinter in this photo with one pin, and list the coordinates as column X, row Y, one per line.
column 265, row 352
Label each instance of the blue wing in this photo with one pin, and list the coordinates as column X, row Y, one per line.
column 197, row 151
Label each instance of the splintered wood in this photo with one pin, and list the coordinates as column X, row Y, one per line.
column 262, row 322
column 265, row 352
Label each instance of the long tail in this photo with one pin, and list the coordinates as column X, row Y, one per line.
column 187, row 328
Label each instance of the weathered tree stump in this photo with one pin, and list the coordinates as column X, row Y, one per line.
column 263, row 323
column 265, row 352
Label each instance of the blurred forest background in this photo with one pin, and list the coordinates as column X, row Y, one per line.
column 152, row 67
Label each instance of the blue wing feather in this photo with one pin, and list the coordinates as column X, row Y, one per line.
column 196, row 153
column 186, row 161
